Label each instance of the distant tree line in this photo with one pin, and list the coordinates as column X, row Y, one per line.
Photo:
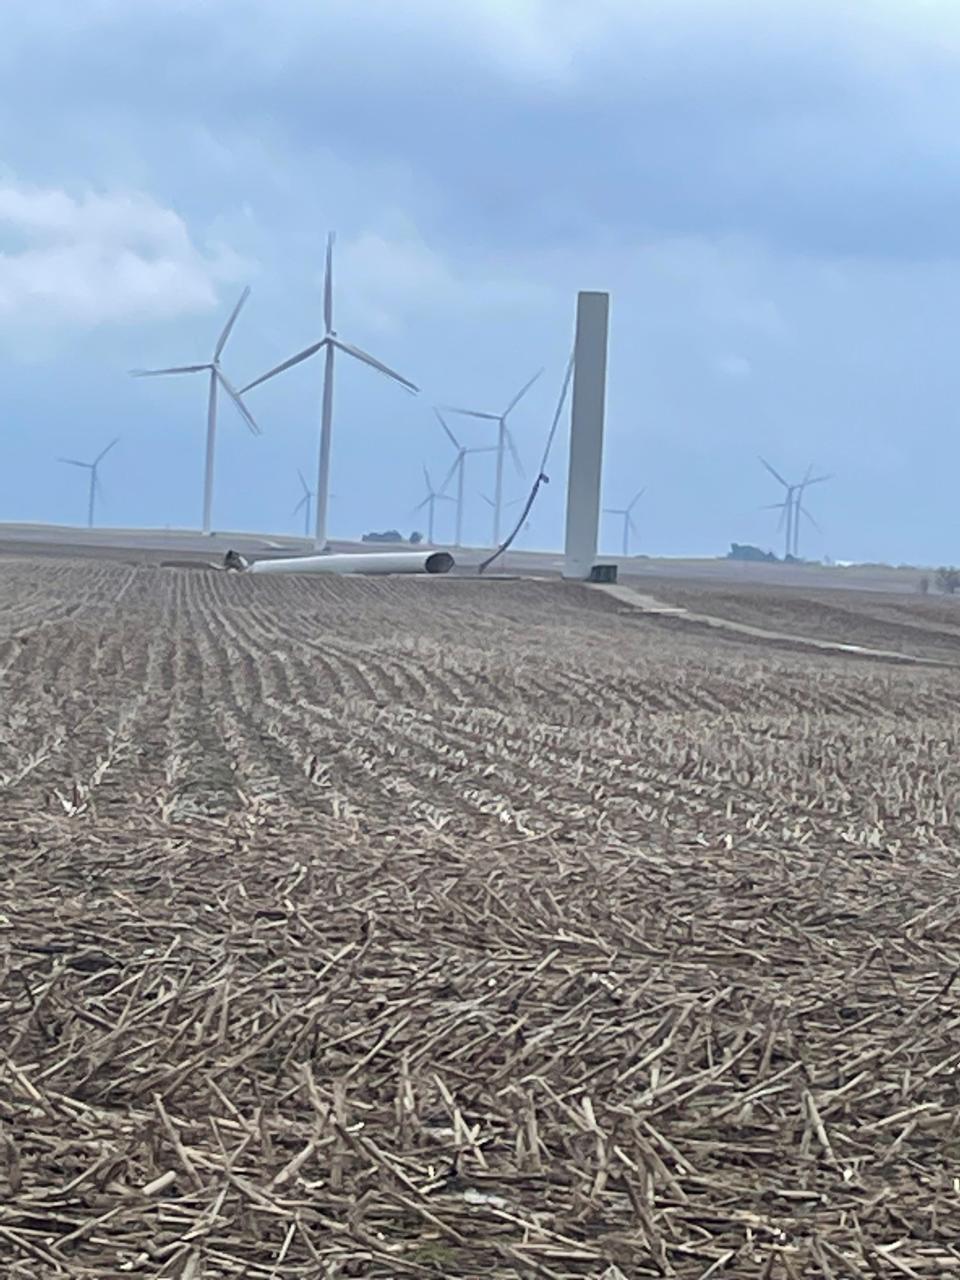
column 742, row 551
column 393, row 535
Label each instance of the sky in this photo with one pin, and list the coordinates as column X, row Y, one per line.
column 768, row 190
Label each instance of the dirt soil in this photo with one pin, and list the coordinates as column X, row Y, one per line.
column 469, row 929
column 926, row 626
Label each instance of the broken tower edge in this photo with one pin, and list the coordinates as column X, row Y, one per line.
column 586, row 435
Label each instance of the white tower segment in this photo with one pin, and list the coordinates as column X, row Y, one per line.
column 586, row 434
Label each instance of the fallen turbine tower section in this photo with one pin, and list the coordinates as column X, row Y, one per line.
column 363, row 563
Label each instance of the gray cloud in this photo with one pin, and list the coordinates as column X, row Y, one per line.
column 821, row 128
column 769, row 190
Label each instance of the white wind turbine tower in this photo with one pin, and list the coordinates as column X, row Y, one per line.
column 329, row 343
column 791, row 508
column 458, row 469
column 504, row 441
column 304, row 504
column 627, row 514
column 93, row 468
column 217, row 379
column 430, row 502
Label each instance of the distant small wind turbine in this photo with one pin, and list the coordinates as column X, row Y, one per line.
column 304, row 504
column 329, row 343
column 458, row 468
column 95, row 486
column 792, row 508
column 504, row 441
column 627, row 514
column 430, row 502
column 217, row 379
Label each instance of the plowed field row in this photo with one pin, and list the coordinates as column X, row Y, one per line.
column 455, row 928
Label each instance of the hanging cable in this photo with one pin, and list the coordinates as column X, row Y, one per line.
column 542, row 477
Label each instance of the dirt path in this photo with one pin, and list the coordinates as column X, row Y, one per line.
column 644, row 603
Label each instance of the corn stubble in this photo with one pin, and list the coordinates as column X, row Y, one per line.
column 370, row 928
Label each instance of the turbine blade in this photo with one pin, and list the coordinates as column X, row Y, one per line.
column 513, row 451
column 815, row 480
column 300, row 505
column 521, row 393
column 470, row 413
column 805, row 512
column 636, row 498
column 426, row 476
column 450, row 436
column 180, row 368
column 306, row 487
column 564, row 390
column 421, row 505
column 776, row 474
column 489, row 501
column 103, row 452
column 305, row 354
column 234, row 395
column 328, row 287
column 228, row 327
column 73, row 462
column 349, row 349
column 450, row 474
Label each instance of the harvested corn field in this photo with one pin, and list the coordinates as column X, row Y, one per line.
column 462, row 929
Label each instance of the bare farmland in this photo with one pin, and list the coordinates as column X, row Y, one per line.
column 915, row 624
column 453, row 928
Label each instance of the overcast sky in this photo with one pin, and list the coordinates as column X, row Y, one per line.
column 769, row 190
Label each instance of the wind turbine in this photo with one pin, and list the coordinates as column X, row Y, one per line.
column 304, row 504
column 792, row 508
column 430, row 502
column 458, row 469
column 329, row 343
column 217, row 379
column 504, row 441
column 627, row 513
column 785, row 508
column 93, row 468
